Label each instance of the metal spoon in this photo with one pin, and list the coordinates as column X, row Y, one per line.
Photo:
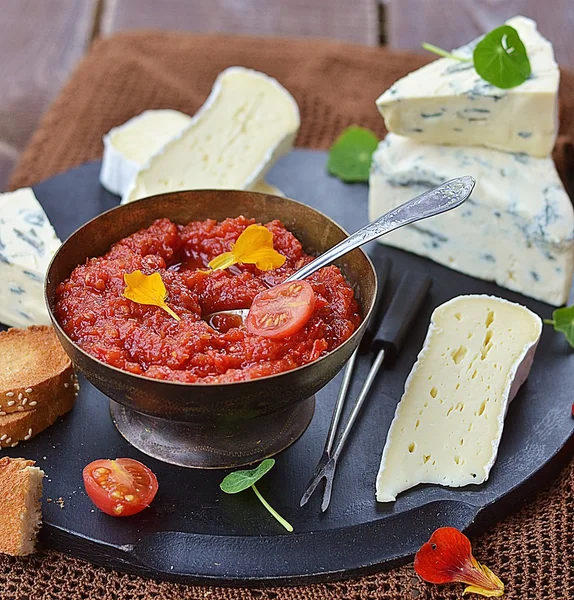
column 433, row 202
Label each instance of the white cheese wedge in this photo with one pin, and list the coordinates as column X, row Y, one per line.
column 248, row 121
column 128, row 148
column 447, row 427
column 517, row 228
column 27, row 244
column 447, row 102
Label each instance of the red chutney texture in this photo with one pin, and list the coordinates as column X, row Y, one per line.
column 147, row 341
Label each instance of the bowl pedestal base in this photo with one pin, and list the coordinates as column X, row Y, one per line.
column 192, row 444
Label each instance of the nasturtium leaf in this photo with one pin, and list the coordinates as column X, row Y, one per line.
column 563, row 321
column 255, row 247
column 147, row 289
column 501, row 59
column 238, row 481
column 350, row 155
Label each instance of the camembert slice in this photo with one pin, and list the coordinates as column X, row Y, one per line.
column 248, row 121
column 447, row 427
column 128, row 148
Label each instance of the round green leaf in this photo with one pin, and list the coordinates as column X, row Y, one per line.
column 501, row 59
column 241, row 480
column 564, row 322
column 350, row 155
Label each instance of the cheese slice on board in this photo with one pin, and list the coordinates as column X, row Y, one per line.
column 248, row 121
column 128, row 148
column 27, row 244
column 447, row 102
column 447, row 427
column 516, row 229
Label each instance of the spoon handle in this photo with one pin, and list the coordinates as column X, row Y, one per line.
column 433, row 202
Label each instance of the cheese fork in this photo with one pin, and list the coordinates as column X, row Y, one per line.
column 383, row 268
column 405, row 305
column 440, row 199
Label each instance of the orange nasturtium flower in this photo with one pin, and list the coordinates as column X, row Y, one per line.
column 447, row 557
column 255, row 247
column 147, row 289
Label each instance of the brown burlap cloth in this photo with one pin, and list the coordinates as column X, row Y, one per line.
column 335, row 86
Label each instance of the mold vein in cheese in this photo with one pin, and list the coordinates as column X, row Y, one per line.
column 128, row 148
column 516, row 230
column 248, row 121
column 447, row 102
column 27, row 244
column 448, row 424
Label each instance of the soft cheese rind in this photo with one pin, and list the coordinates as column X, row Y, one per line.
column 447, row 102
column 517, row 229
column 248, row 121
column 27, row 244
column 128, row 147
column 447, row 427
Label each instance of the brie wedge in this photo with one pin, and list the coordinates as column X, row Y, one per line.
column 447, row 427
column 27, row 244
column 447, row 102
column 248, row 121
column 516, row 229
column 128, row 147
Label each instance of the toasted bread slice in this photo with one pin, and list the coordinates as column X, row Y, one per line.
column 22, row 426
column 20, row 505
column 34, row 369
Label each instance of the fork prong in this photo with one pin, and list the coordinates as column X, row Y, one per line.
column 329, row 474
column 312, row 487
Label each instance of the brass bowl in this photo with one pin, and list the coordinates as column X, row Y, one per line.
column 211, row 425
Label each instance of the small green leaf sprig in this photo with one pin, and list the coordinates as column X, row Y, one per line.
column 563, row 321
column 499, row 58
column 350, row 156
column 239, row 481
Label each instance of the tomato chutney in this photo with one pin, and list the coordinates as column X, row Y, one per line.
column 147, row 341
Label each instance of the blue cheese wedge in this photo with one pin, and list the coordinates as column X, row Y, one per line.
column 27, row 244
column 447, row 102
column 517, row 229
column 447, row 427
column 248, row 121
column 128, row 148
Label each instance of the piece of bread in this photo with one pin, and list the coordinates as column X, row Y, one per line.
column 34, row 369
column 22, row 426
column 20, row 505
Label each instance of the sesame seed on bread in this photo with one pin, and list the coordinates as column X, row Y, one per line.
column 20, row 505
column 22, row 426
column 34, row 369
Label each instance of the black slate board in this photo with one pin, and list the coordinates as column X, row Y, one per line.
column 195, row 533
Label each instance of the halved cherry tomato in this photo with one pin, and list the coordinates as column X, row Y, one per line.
column 281, row 310
column 121, row 487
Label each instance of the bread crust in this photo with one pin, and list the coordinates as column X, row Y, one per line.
column 20, row 505
column 35, row 369
column 22, row 426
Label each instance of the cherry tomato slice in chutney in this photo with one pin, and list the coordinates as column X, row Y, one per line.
column 281, row 310
column 121, row 487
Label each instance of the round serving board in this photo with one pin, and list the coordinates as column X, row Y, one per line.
column 195, row 533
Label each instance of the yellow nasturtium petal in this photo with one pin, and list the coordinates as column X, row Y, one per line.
column 255, row 247
column 147, row 289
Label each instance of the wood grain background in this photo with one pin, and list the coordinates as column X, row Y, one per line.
column 42, row 40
